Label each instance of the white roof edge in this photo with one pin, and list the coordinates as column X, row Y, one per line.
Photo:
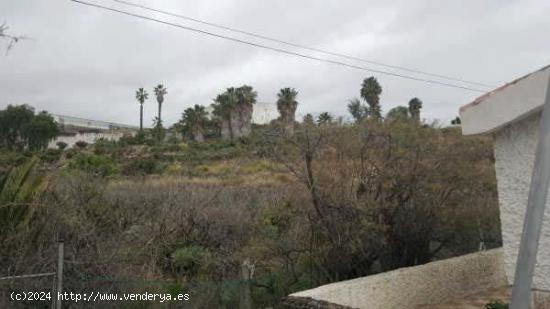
column 511, row 102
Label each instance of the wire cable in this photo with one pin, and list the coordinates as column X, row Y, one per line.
column 430, row 81
column 264, row 37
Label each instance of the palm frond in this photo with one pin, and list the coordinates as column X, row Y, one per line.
column 14, row 181
column 18, row 189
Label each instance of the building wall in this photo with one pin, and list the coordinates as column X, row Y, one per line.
column 515, row 155
column 89, row 123
column 432, row 283
column 264, row 112
column 89, row 137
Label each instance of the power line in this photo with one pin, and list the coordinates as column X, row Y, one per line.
column 431, row 81
column 264, row 37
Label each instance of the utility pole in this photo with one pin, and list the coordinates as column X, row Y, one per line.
column 534, row 214
column 59, row 288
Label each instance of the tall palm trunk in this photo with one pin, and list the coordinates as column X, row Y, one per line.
column 160, row 109
column 416, row 116
column 141, row 117
column 198, row 136
column 230, row 124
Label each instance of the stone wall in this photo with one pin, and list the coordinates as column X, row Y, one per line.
column 515, row 155
column 432, row 283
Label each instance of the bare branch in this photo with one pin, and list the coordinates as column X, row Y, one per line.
column 11, row 39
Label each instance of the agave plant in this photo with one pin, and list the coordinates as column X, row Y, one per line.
column 17, row 189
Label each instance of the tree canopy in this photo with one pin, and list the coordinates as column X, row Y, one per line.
column 415, row 104
column 21, row 128
column 194, row 121
column 232, row 110
column 287, row 104
column 324, row 118
column 370, row 92
column 398, row 112
column 356, row 109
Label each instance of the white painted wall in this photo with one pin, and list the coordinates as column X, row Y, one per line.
column 432, row 283
column 264, row 112
column 89, row 138
column 515, row 147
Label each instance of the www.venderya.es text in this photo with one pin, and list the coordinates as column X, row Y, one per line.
column 98, row 297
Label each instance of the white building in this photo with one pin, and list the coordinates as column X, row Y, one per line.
column 264, row 113
column 74, row 129
column 511, row 115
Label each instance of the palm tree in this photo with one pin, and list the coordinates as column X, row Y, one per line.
column 160, row 92
column 287, row 104
column 398, row 112
column 415, row 104
column 308, row 119
column 141, row 96
column 370, row 92
column 356, row 109
column 246, row 98
column 233, row 110
column 324, row 118
column 224, row 106
column 194, row 120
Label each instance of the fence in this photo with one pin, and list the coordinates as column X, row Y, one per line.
column 30, row 294
column 73, row 276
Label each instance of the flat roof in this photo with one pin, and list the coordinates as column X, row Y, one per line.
column 89, row 123
column 506, row 104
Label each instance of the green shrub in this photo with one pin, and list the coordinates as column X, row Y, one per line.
column 81, row 144
column 191, row 259
column 104, row 146
column 174, row 169
column 496, row 305
column 165, row 147
column 137, row 139
column 211, row 151
column 9, row 159
column 70, row 153
column 143, row 166
column 98, row 165
column 50, row 155
column 61, row 145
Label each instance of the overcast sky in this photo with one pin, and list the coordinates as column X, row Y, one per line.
column 86, row 62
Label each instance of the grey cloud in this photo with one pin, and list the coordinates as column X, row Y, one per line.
column 86, row 62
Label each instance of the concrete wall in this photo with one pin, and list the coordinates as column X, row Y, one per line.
column 89, row 138
column 431, row 283
column 515, row 154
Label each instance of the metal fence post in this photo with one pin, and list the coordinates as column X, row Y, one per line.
column 59, row 287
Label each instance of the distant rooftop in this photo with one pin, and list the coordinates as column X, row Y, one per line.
column 89, row 123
